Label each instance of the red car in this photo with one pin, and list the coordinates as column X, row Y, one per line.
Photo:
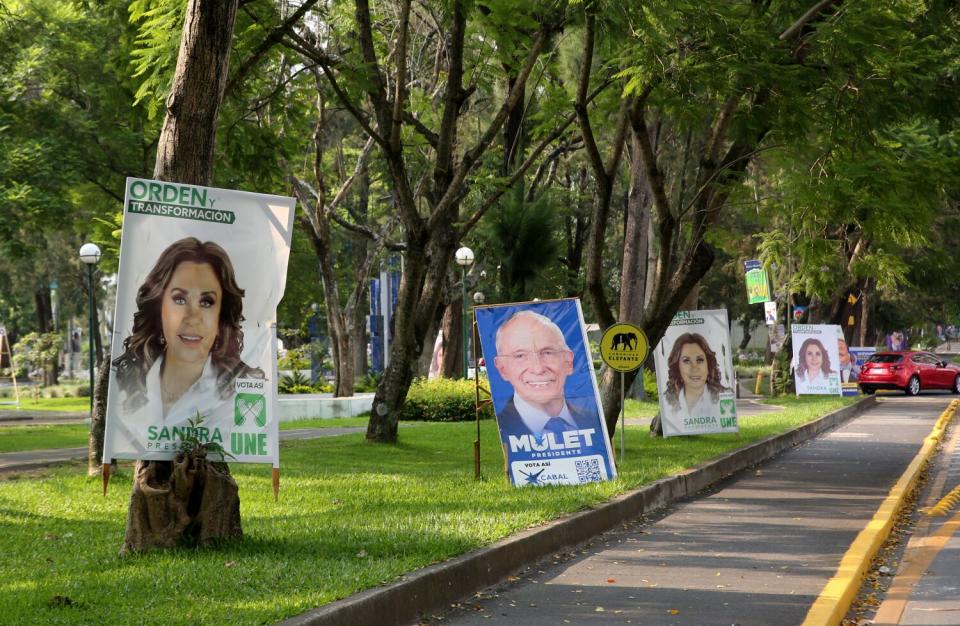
column 908, row 371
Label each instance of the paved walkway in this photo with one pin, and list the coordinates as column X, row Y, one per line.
column 756, row 550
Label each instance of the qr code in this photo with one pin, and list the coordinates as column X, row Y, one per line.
column 588, row 470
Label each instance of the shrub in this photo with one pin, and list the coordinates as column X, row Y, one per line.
column 295, row 380
column 367, row 382
column 298, row 389
column 443, row 400
column 650, row 384
column 322, row 386
column 295, row 359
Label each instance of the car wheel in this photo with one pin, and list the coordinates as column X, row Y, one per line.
column 913, row 386
column 956, row 385
column 868, row 390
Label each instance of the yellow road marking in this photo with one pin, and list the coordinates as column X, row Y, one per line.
column 834, row 601
column 926, row 551
column 946, row 503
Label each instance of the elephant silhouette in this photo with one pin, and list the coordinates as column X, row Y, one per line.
column 625, row 341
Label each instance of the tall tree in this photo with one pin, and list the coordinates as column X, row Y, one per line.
column 190, row 498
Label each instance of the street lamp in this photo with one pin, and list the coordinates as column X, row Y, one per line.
column 478, row 297
column 90, row 254
column 464, row 257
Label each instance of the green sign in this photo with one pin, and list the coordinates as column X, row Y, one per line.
column 758, row 285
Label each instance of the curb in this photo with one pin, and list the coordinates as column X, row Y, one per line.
column 435, row 587
column 838, row 594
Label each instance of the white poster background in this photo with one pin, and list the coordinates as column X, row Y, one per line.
column 710, row 414
column 825, row 381
column 255, row 231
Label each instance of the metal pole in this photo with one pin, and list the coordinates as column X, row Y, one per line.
column 463, row 284
column 90, row 285
column 623, row 415
column 476, row 387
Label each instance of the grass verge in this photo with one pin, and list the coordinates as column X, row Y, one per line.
column 43, row 437
column 71, row 405
column 21, row 438
column 351, row 515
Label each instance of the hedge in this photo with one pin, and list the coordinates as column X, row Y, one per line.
column 443, row 400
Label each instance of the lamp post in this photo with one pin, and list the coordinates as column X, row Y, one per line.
column 464, row 257
column 90, row 254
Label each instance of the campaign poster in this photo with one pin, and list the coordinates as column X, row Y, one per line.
column 695, row 376
column 545, row 394
column 770, row 313
column 858, row 356
column 758, row 285
column 816, row 359
column 201, row 273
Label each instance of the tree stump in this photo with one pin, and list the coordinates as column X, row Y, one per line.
column 187, row 501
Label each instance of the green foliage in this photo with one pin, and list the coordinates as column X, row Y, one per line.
column 295, row 359
column 650, row 384
column 37, row 350
column 191, row 443
column 443, row 400
column 368, row 382
column 155, row 55
column 521, row 237
column 294, row 382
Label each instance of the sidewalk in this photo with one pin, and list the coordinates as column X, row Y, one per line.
column 923, row 589
column 757, row 549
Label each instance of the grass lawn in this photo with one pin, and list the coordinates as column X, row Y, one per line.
column 70, row 405
column 43, row 437
column 20, row 438
column 351, row 515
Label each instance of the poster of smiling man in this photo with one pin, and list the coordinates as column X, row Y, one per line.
column 545, row 393
column 201, row 273
column 816, row 359
column 695, row 375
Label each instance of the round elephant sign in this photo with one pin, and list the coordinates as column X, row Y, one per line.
column 624, row 347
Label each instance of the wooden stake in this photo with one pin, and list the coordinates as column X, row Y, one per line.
column 276, row 484
column 105, row 474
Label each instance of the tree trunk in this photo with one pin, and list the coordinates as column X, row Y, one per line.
column 633, row 275
column 189, row 500
column 411, row 321
column 360, row 367
column 97, row 339
column 452, row 328
column 186, row 144
column 98, row 421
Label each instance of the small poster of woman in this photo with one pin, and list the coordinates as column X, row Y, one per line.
column 816, row 359
column 695, row 375
column 201, row 273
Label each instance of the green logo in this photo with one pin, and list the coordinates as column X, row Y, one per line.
column 249, row 406
column 728, row 406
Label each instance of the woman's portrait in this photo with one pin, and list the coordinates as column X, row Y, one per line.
column 813, row 366
column 693, row 378
column 183, row 353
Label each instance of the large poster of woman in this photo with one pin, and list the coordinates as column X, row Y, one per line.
column 192, row 354
column 545, row 393
column 816, row 359
column 695, row 375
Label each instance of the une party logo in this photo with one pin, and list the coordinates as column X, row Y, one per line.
column 249, row 406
